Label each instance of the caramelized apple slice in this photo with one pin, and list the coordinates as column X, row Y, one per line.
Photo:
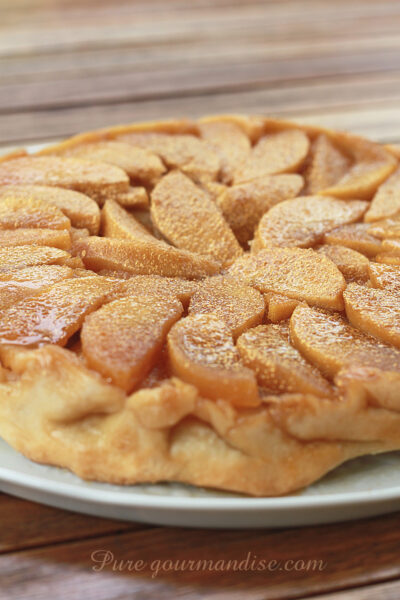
column 134, row 197
column 141, row 257
column 186, row 152
column 239, row 306
column 118, row 223
column 372, row 164
column 374, row 311
column 351, row 263
column 123, row 339
column 230, row 142
column 386, row 202
column 281, row 152
column 251, row 126
column 98, row 180
column 202, row 352
column 387, row 228
column 388, row 258
column 17, row 285
column 19, row 257
column 326, row 165
column 278, row 366
column 189, row 219
column 385, row 277
column 30, row 213
column 280, row 307
column 56, row 238
column 56, row 313
column 180, row 289
column 356, row 237
column 244, row 205
column 140, row 164
column 392, row 246
column 330, row 343
column 82, row 211
column 294, row 272
column 303, row 221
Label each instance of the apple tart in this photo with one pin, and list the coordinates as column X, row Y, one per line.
column 214, row 302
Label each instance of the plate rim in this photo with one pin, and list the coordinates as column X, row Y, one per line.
column 106, row 496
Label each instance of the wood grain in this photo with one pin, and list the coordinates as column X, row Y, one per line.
column 367, row 553
column 82, row 64
column 26, row 525
column 384, row 591
column 97, row 63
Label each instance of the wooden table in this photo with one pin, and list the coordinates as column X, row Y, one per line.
column 68, row 66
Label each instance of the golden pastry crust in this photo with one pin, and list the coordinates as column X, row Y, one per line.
column 172, row 396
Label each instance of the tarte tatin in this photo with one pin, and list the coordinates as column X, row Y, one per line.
column 214, row 302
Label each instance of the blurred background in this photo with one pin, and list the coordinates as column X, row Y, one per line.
column 67, row 66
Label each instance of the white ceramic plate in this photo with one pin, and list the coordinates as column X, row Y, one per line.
column 361, row 488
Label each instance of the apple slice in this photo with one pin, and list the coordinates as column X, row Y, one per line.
column 134, row 197
column 229, row 142
column 142, row 257
column 371, row 165
column 303, row 221
column 118, row 223
column 280, row 307
column 385, row 277
column 243, row 205
column 355, row 236
column 278, row 366
column 392, row 245
column 180, row 289
column 386, row 202
column 387, row 228
column 301, row 274
column 82, row 211
column 374, row 311
column 202, row 352
column 17, row 285
column 98, row 180
column 388, row 258
column 30, row 213
column 239, row 306
column 56, row 313
column 278, row 152
column 142, row 166
column 326, row 165
column 351, row 263
column 190, row 220
column 19, row 257
column 56, row 238
column 331, row 344
column 123, row 339
column 188, row 153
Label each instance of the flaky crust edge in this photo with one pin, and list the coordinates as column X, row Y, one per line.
column 56, row 411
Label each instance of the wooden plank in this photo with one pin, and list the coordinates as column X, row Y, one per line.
column 367, row 106
column 383, row 591
column 270, row 20
column 27, row 524
column 179, row 80
column 197, row 53
column 356, row 553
